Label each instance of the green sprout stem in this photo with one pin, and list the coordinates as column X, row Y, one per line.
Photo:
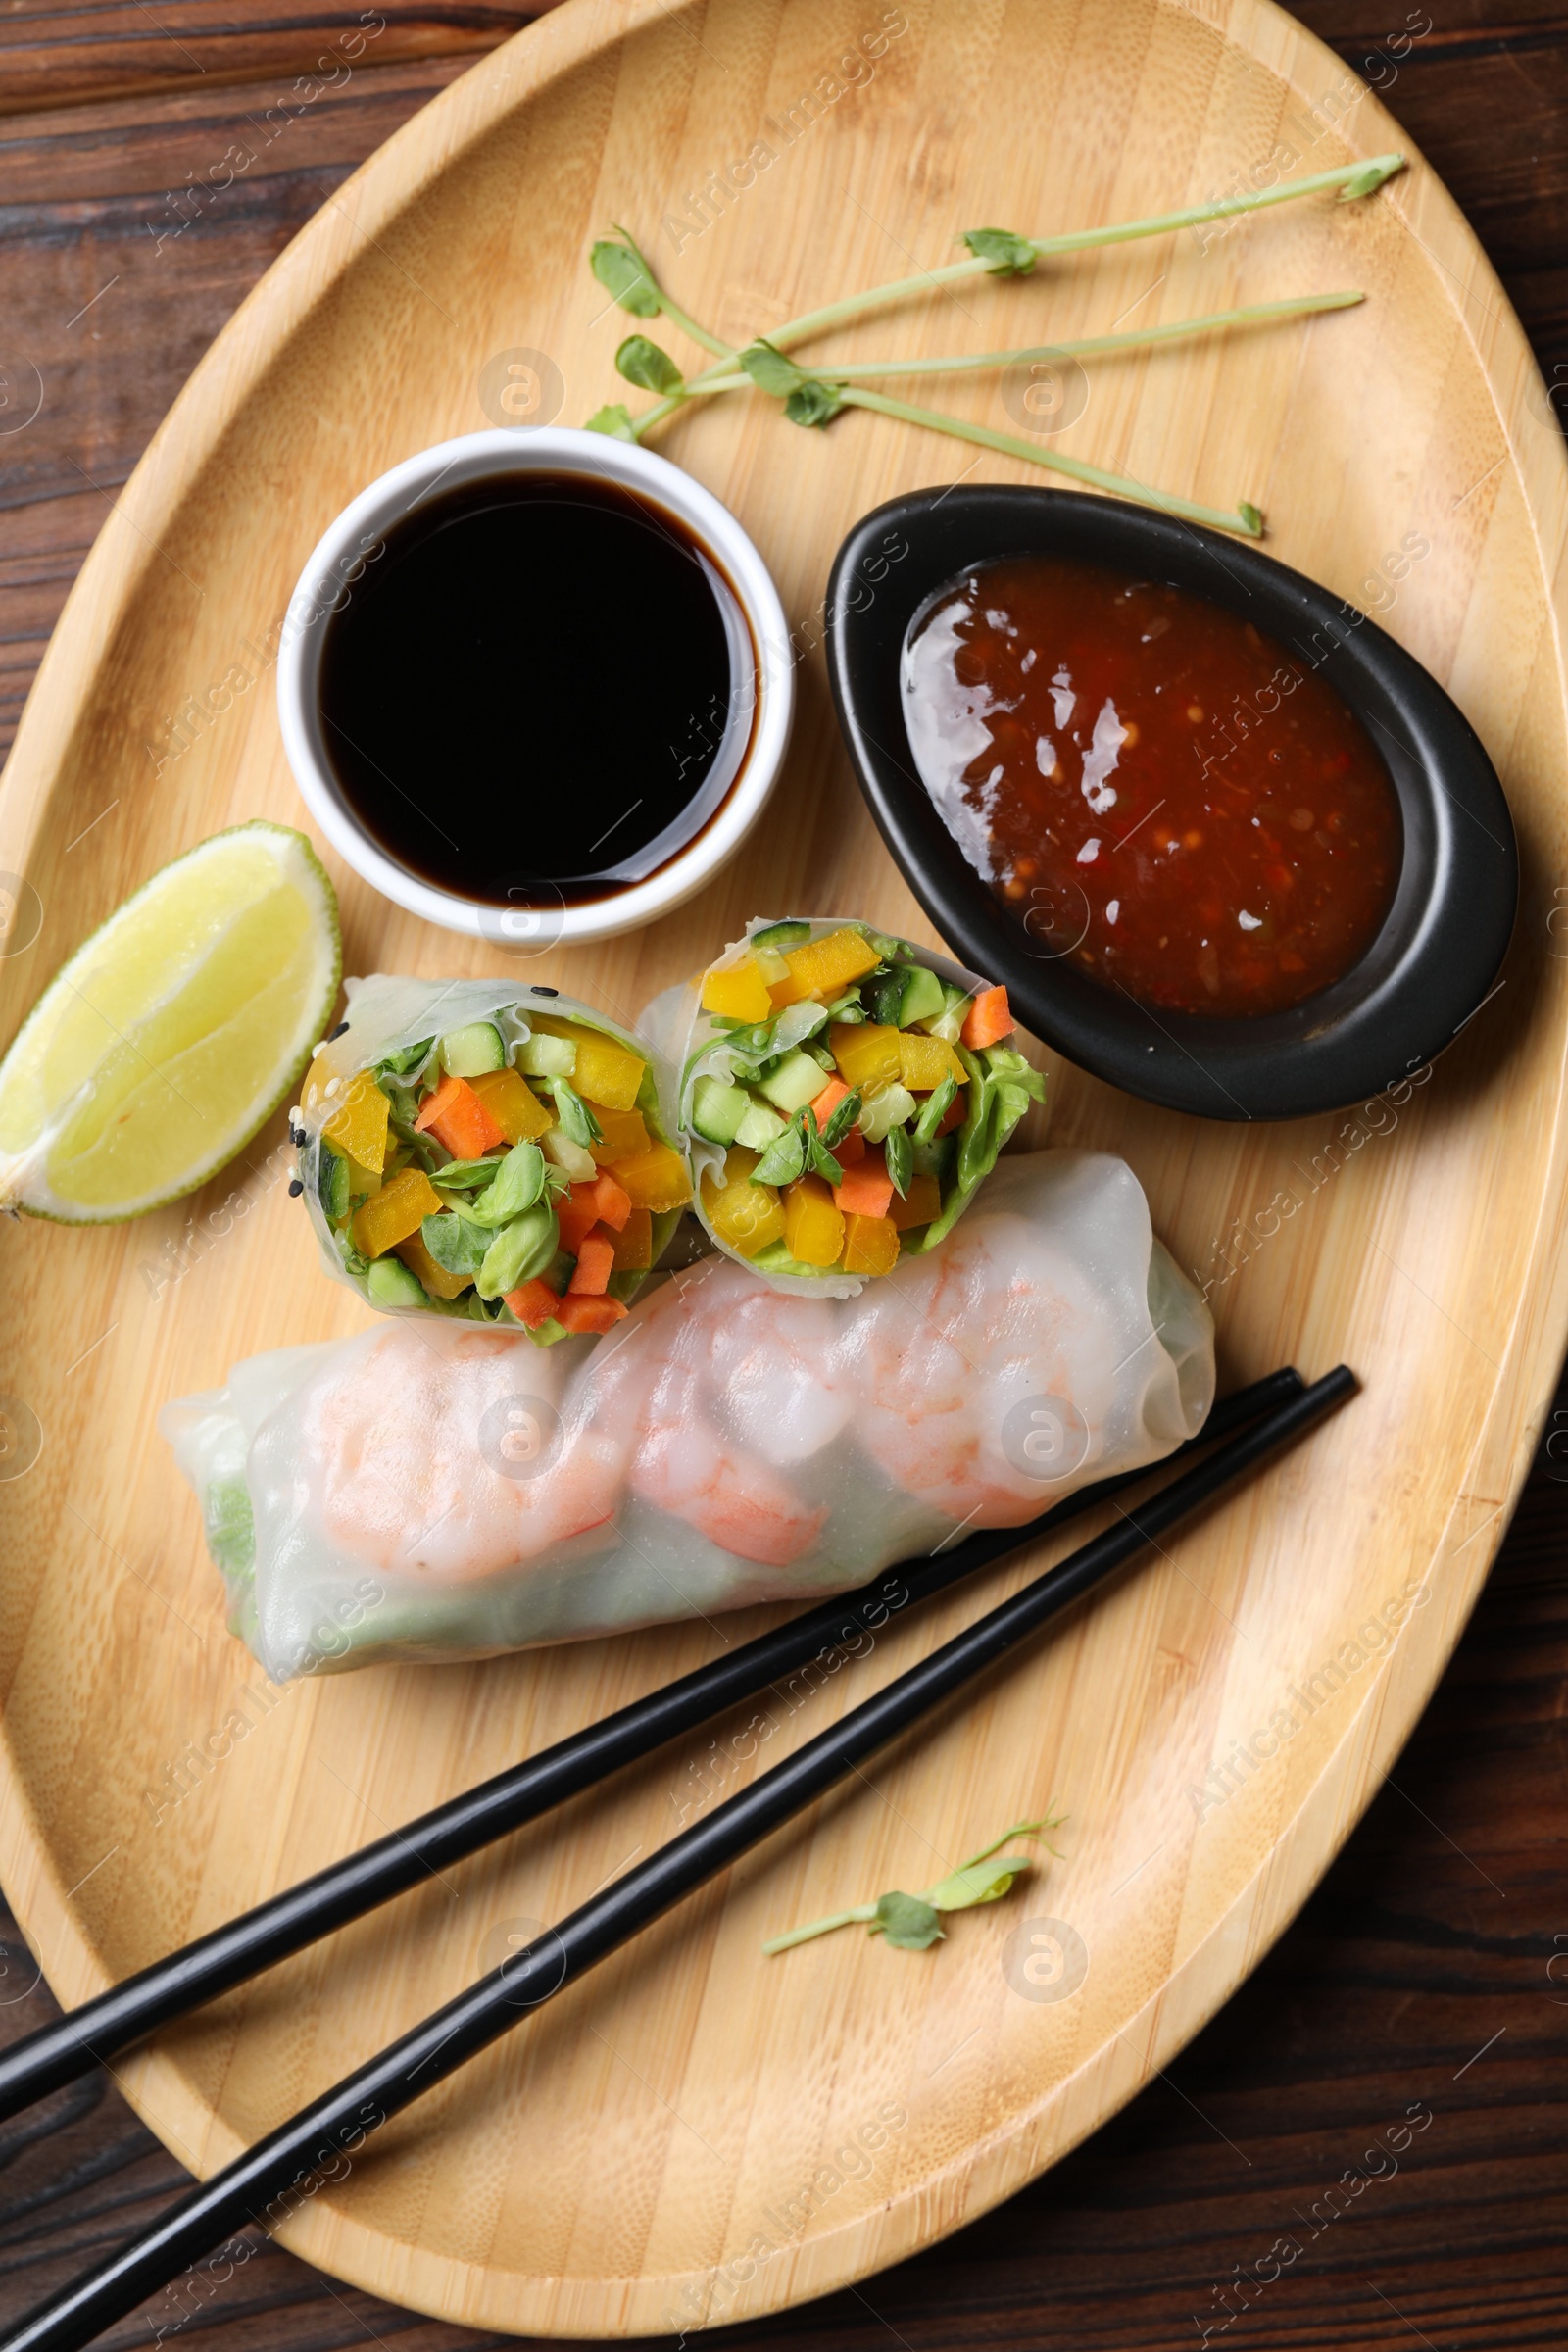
column 1245, row 519
column 960, row 1891
column 671, row 308
column 1366, row 176
column 845, row 372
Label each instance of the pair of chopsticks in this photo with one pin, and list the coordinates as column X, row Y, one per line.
column 1252, row 1423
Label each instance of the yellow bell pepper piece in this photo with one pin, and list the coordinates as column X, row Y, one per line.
column 868, row 1053
column 317, row 1078
column 870, row 1245
column 924, row 1061
column 745, row 1215
column 398, row 1209
column 634, row 1244
column 606, row 1074
column 825, row 967
column 814, row 1228
column 436, row 1280
column 737, row 992
column 623, row 1135
column 358, row 1126
column 655, row 1179
column 513, row 1104
column 924, row 1202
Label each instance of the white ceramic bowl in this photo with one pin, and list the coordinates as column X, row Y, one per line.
column 536, row 922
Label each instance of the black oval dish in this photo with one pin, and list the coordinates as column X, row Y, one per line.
column 1438, row 953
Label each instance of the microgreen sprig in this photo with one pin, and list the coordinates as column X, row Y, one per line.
column 814, row 397
column 913, row 1922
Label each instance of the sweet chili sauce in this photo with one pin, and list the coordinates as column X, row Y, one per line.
column 1166, row 798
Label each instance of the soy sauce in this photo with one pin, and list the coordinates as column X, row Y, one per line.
column 538, row 677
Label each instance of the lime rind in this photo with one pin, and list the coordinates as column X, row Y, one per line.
column 34, row 1127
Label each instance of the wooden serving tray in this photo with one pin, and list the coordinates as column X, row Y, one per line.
column 695, row 2133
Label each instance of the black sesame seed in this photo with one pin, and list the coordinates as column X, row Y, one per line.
column 340, row 1031
column 295, row 1188
column 544, row 992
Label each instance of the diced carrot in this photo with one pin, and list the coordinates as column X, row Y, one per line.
column 828, row 1101
column 634, row 1243
column 867, row 1188
column 577, row 1215
column 955, row 1114
column 456, row 1117
column 580, row 1314
column 850, row 1150
column 924, row 1202
column 596, row 1262
column 988, row 1019
column 612, row 1201
column 533, row 1303
column 437, row 1104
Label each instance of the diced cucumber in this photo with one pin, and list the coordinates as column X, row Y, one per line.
column 547, row 1057
column 889, row 1107
column 469, row 1052
column 759, row 1128
column 790, row 934
column 883, row 998
column 718, row 1109
column 797, row 1081
column 922, row 999
column 948, row 1024
column 332, row 1181
column 934, row 1158
column 574, row 1159
column 390, row 1283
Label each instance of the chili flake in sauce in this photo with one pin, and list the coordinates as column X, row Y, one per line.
column 1162, row 794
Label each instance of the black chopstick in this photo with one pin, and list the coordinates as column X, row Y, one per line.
column 340, row 2120
column 287, row 1923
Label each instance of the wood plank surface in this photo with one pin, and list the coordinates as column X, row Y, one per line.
column 1438, row 1930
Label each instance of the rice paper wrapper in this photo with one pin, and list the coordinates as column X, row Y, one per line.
column 688, row 1047
column 388, row 1014
column 443, row 1492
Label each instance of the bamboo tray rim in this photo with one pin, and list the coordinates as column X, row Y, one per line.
column 234, row 370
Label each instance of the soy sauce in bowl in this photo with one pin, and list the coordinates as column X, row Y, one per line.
column 538, row 673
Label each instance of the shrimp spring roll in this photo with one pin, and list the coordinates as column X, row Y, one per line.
column 445, row 1491
column 842, row 1097
column 495, row 1153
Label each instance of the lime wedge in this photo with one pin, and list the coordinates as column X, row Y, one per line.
column 172, row 1032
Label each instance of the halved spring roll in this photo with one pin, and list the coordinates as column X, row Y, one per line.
column 841, row 1098
column 473, row 1149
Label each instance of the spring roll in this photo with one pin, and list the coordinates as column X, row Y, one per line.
column 445, row 1492
column 487, row 1153
column 841, row 1098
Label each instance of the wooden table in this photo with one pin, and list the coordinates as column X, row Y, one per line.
column 1429, row 1975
